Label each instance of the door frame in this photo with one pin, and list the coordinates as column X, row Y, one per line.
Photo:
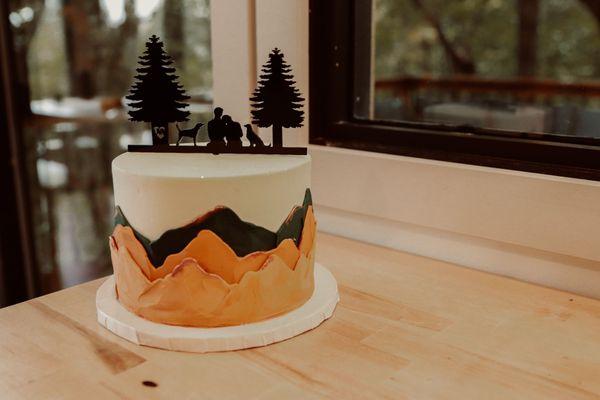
column 18, row 280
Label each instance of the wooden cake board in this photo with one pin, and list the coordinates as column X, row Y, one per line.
column 113, row 316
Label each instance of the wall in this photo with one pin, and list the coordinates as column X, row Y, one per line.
column 243, row 34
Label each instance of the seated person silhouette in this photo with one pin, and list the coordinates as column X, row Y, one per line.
column 233, row 132
column 216, row 129
column 253, row 138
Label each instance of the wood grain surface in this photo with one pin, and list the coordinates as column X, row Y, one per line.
column 407, row 327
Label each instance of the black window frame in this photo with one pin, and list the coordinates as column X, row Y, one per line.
column 333, row 72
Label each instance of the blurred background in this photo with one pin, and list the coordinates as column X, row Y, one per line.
column 520, row 65
column 75, row 60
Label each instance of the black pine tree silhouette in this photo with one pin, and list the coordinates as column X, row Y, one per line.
column 276, row 101
column 156, row 95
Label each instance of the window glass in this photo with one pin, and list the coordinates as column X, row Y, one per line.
column 75, row 62
column 530, row 65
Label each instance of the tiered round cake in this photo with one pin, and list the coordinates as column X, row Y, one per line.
column 206, row 241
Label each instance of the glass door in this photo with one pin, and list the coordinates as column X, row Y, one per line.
column 75, row 61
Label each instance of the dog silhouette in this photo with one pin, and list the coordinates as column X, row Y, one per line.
column 255, row 140
column 192, row 132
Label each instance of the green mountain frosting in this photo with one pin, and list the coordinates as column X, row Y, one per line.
column 243, row 237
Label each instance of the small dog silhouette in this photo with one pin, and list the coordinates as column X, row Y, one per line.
column 192, row 133
column 255, row 140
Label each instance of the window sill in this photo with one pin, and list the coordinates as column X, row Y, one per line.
column 544, row 227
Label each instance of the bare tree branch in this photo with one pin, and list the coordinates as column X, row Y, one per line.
column 527, row 45
column 461, row 63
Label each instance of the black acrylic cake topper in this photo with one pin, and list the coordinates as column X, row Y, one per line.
column 276, row 101
column 158, row 98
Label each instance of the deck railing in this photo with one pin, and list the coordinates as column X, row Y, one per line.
column 415, row 92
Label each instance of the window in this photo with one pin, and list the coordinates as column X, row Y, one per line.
column 510, row 84
column 74, row 62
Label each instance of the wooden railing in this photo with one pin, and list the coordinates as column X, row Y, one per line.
column 520, row 88
column 417, row 93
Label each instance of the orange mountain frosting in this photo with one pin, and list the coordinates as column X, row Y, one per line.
column 208, row 285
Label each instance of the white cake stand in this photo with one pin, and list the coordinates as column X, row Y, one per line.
column 117, row 319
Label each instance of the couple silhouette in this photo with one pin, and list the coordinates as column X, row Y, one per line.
column 223, row 127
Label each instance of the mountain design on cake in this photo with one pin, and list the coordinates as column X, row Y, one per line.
column 243, row 237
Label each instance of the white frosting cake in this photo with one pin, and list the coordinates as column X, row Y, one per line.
column 212, row 240
column 162, row 191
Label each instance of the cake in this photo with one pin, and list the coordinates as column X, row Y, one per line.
column 207, row 240
column 218, row 234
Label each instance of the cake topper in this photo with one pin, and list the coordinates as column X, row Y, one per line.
column 158, row 98
column 276, row 101
column 191, row 133
column 156, row 95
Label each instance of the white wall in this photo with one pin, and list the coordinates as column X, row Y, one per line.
column 243, row 34
column 275, row 19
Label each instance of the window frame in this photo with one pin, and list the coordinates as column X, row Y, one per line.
column 333, row 72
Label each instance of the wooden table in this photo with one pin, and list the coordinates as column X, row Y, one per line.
column 406, row 327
